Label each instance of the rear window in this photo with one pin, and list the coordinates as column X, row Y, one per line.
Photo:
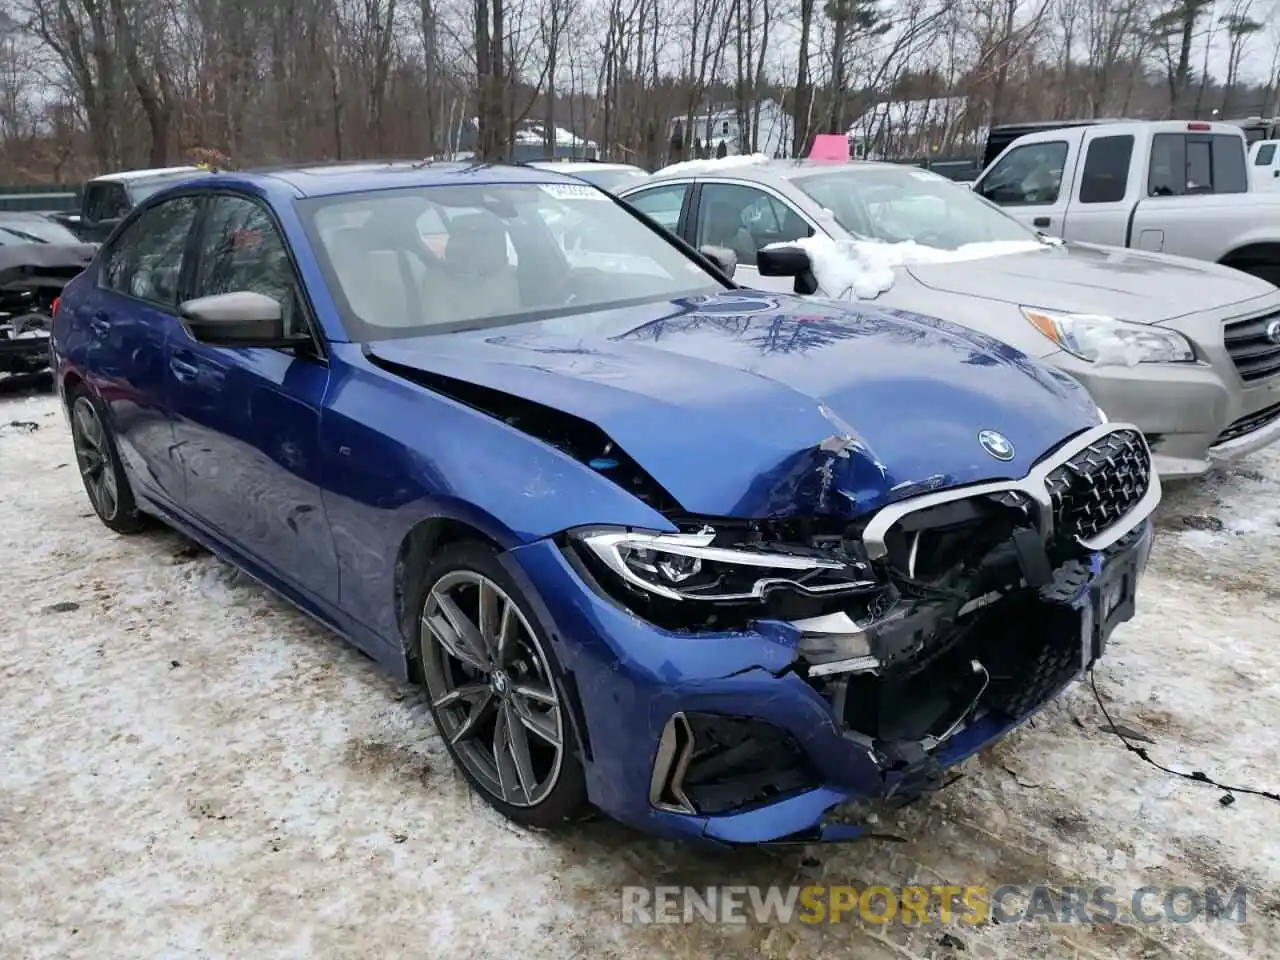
column 1186, row 164
column 1266, row 154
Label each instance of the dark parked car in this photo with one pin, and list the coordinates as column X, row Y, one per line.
column 37, row 258
column 109, row 198
column 711, row 560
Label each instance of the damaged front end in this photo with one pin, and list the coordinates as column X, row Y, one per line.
column 31, row 278
column 929, row 628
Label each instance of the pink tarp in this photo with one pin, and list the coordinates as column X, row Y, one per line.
column 830, row 146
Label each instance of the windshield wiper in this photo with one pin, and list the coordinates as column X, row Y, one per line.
column 29, row 237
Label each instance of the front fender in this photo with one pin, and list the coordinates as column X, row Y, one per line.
column 397, row 455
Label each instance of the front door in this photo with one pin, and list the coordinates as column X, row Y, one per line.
column 247, row 419
column 745, row 219
column 1028, row 182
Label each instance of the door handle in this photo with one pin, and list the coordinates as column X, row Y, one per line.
column 99, row 323
column 1041, row 222
column 186, row 372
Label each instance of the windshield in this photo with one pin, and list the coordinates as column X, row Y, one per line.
column 426, row 260
column 35, row 231
column 881, row 203
column 611, row 180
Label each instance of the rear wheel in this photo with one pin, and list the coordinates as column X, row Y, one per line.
column 100, row 468
column 495, row 689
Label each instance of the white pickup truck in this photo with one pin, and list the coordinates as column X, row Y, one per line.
column 1168, row 186
column 1264, row 166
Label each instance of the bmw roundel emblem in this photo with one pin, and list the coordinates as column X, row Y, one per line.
column 996, row 444
column 1273, row 331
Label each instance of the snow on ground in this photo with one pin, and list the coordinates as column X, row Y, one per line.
column 190, row 768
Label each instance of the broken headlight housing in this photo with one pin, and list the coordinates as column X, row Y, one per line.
column 692, row 567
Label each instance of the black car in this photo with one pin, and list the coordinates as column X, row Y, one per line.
column 37, row 258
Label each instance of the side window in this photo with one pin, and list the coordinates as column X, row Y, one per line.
column 1199, row 167
column 241, row 249
column 1167, row 176
column 1229, row 172
column 661, row 204
column 106, row 200
column 1266, row 153
column 744, row 219
column 1028, row 174
column 1183, row 164
column 1106, row 169
column 94, row 195
column 146, row 261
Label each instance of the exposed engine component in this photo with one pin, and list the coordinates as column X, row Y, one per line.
column 32, row 276
column 971, row 611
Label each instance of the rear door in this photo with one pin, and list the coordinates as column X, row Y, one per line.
column 666, row 204
column 127, row 320
column 1106, row 190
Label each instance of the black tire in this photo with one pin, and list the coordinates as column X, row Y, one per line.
column 1263, row 271
column 101, row 470
column 530, row 665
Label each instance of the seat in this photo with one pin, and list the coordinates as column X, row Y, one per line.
column 371, row 279
column 477, row 254
column 723, row 228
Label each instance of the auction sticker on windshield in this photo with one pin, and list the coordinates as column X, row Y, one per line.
column 572, row 191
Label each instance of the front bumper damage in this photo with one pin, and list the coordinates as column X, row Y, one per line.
column 24, row 343
column 754, row 735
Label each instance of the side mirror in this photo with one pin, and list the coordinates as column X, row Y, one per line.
column 782, row 261
column 239, row 319
column 724, row 258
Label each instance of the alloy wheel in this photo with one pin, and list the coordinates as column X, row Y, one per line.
column 491, row 688
column 93, row 456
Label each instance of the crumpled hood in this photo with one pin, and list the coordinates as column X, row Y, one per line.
column 729, row 401
column 1081, row 278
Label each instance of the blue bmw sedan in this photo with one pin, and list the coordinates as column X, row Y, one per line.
column 710, row 560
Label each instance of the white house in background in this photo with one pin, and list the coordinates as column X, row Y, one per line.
column 896, row 129
column 720, row 125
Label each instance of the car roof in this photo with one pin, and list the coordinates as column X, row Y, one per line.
column 773, row 171
column 127, row 176
column 336, row 179
column 581, row 166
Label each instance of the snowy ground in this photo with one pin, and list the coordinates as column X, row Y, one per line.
column 190, row 768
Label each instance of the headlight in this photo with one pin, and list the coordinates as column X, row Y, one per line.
column 685, row 566
column 1110, row 342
